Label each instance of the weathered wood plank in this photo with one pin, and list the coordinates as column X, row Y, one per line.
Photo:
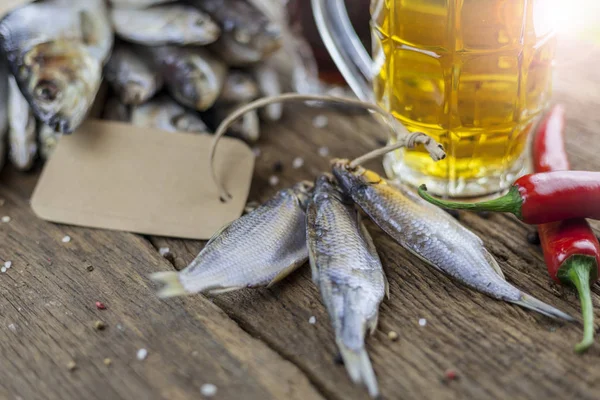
column 47, row 312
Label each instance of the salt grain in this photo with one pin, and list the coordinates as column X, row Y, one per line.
column 297, row 163
column 393, row 336
column 273, row 180
column 66, row 239
column 71, row 366
column 107, row 361
column 12, row 327
column 208, row 390
column 323, row 151
column 6, row 219
column 312, row 320
column 8, row 264
column 163, row 251
column 142, row 354
column 320, row 121
column 422, row 322
column 3, row 269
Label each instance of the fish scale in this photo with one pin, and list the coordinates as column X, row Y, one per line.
column 347, row 269
column 257, row 249
column 430, row 234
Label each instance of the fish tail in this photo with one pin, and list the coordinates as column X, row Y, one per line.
column 359, row 367
column 172, row 285
column 534, row 304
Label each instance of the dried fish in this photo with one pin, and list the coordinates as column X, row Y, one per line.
column 268, row 82
column 21, row 132
column 48, row 139
column 132, row 75
column 164, row 113
column 433, row 236
column 247, row 35
column 165, row 24
column 239, row 87
column 192, row 75
column 246, row 127
column 137, row 3
column 54, row 68
column 346, row 268
column 257, row 249
column 116, row 110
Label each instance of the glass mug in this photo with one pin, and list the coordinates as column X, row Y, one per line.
column 473, row 74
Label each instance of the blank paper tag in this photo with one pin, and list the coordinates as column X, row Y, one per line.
column 117, row 176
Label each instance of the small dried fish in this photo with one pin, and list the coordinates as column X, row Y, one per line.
column 433, row 236
column 48, row 139
column 192, row 75
column 247, row 35
column 132, row 75
column 268, row 82
column 346, row 268
column 165, row 24
column 257, row 249
column 55, row 70
column 3, row 109
column 137, row 3
column 164, row 113
column 21, row 132
column 116, row 110
column 246, row 127
column 239, row 87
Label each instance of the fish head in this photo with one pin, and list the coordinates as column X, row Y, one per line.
column 262, row 36
column 239, row 86
column 198, row 82
column 201, row 25
column 303, row 191
column 61, row 80
column 188, row 122
column 352, row 178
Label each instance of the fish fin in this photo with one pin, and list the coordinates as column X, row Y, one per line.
column 225, row 289
column 534, row 304
column 217, row 233
column 492, row 261
column 172, row 285
column 372, row 323
column 359, row 367
column 285, row 272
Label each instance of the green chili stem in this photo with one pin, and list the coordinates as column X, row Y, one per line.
column 511, row 202
column 578, row 271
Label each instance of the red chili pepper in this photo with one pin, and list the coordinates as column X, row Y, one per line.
column 542, row 197
column 571, row 250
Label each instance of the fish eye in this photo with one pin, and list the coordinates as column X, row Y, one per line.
column 179, row 121
column 46, row 91
column 199, row 21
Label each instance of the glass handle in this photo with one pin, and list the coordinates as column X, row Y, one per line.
column 344, row 46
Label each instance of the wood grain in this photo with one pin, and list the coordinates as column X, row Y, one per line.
column 47, row 316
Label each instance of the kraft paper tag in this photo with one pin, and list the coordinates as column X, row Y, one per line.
column 117, row 176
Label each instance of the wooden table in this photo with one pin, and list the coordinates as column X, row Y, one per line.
column 258, row 344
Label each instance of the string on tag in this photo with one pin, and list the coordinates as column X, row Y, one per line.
column 403, row 138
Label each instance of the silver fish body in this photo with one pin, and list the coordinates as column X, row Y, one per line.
column 246, row 127
column 257, row 249
column 132, row 75
column 137, row 3
column 116, row 110
column 48, row 139
column 21, row 132
column 433, row 236
column 164, row 113
column 192, row 75
column 347, row 269
column 165, row 24
column 268, row 82
column 239, row 87
column 247, row 34
column 54, row 68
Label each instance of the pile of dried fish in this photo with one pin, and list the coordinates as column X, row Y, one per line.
column 174, row 65
column 322, row 222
